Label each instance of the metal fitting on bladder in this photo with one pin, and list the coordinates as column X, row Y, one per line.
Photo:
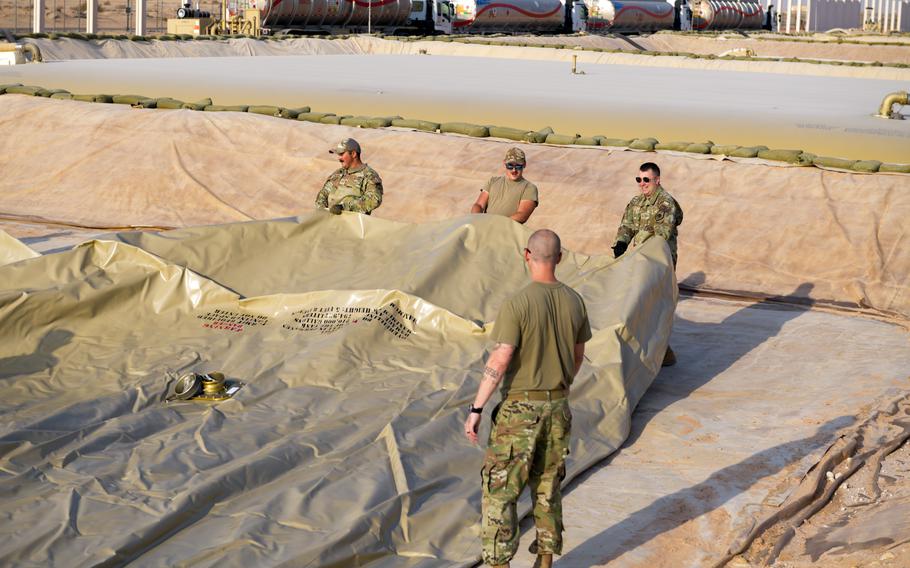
column 213, row 386
column 210, row 387
column 900, row 97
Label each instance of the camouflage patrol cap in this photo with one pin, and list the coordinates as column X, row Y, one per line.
column 346, row 145
column 515, row 156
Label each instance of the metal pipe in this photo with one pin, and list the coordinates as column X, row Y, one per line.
column 789, row 13
column 91, row 16
column 799, row 15
column 900, row 97
column 38, row 16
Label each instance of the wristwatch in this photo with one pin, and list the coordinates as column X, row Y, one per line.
column 476, row 410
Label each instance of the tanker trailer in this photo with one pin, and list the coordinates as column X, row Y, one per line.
column 629, row 16
column 726, row 14
column 517, row 16
column 353, row 15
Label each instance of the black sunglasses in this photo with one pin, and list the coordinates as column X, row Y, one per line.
column 516, row 167
column 645, row 179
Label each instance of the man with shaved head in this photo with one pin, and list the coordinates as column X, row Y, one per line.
column 540, row 337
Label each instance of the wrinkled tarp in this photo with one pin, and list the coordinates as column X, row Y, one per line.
column 749, row 228
column 344, row 447
column 12, row 250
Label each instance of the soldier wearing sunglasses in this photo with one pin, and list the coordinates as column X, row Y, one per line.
column 509, row 195
column 652, row 212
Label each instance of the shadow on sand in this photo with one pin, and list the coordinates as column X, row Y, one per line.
column 699, row 363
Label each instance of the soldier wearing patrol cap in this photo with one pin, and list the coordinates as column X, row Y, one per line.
column 354, row 186
column 540, row 336
column 510, row 195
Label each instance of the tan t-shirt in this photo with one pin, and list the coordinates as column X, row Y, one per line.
column 505, row 195
column 544, row 322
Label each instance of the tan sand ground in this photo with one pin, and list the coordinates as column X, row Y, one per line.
column 841, row 232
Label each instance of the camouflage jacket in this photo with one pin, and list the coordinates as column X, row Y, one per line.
column 647, row 215
column 358, row 190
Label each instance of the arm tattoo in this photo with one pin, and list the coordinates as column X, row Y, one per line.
column 491, row 374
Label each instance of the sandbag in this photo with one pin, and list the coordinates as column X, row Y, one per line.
column 587, row 141
column 746, row 151
column 805, row 159
column 789, row 156
column 226, row 108
column 424, row 125
column 3, row 88
column 508, row 133
column 358, row 121
column 94, row 98
column 23, row 90
column 313, row 116
column 827, row 162
column 724, row 150
column 129, row 99
column 333, row 119
column 293, row 113
column 198, row 105
column 699, row 148
column 62, row 96
column 867, row 166
column 535, row 137
column 465, row 128
column 895, row 168
column 561, row 138
column 167, row 102
column 267, row 110
column 380, row 121
column 643, row 144
column 48, row 92
column 616, row 142
column 674, row 146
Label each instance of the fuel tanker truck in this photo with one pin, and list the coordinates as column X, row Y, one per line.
column 502, row 16
column 726, row 14
column 335, row 16
column 629, row 16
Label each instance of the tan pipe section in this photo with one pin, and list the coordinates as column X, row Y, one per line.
column 900, row 97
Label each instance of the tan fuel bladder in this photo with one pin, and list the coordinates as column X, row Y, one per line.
column 344, row 446
column 750, row 227
column 774, row 106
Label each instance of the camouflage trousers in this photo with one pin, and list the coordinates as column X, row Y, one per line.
column 528, row 446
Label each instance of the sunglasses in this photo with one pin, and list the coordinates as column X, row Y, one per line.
column 645, row 179
column 516, row 167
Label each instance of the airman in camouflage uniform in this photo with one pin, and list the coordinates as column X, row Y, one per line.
column 653, row 212
column 354, row 186
column 540, row 334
